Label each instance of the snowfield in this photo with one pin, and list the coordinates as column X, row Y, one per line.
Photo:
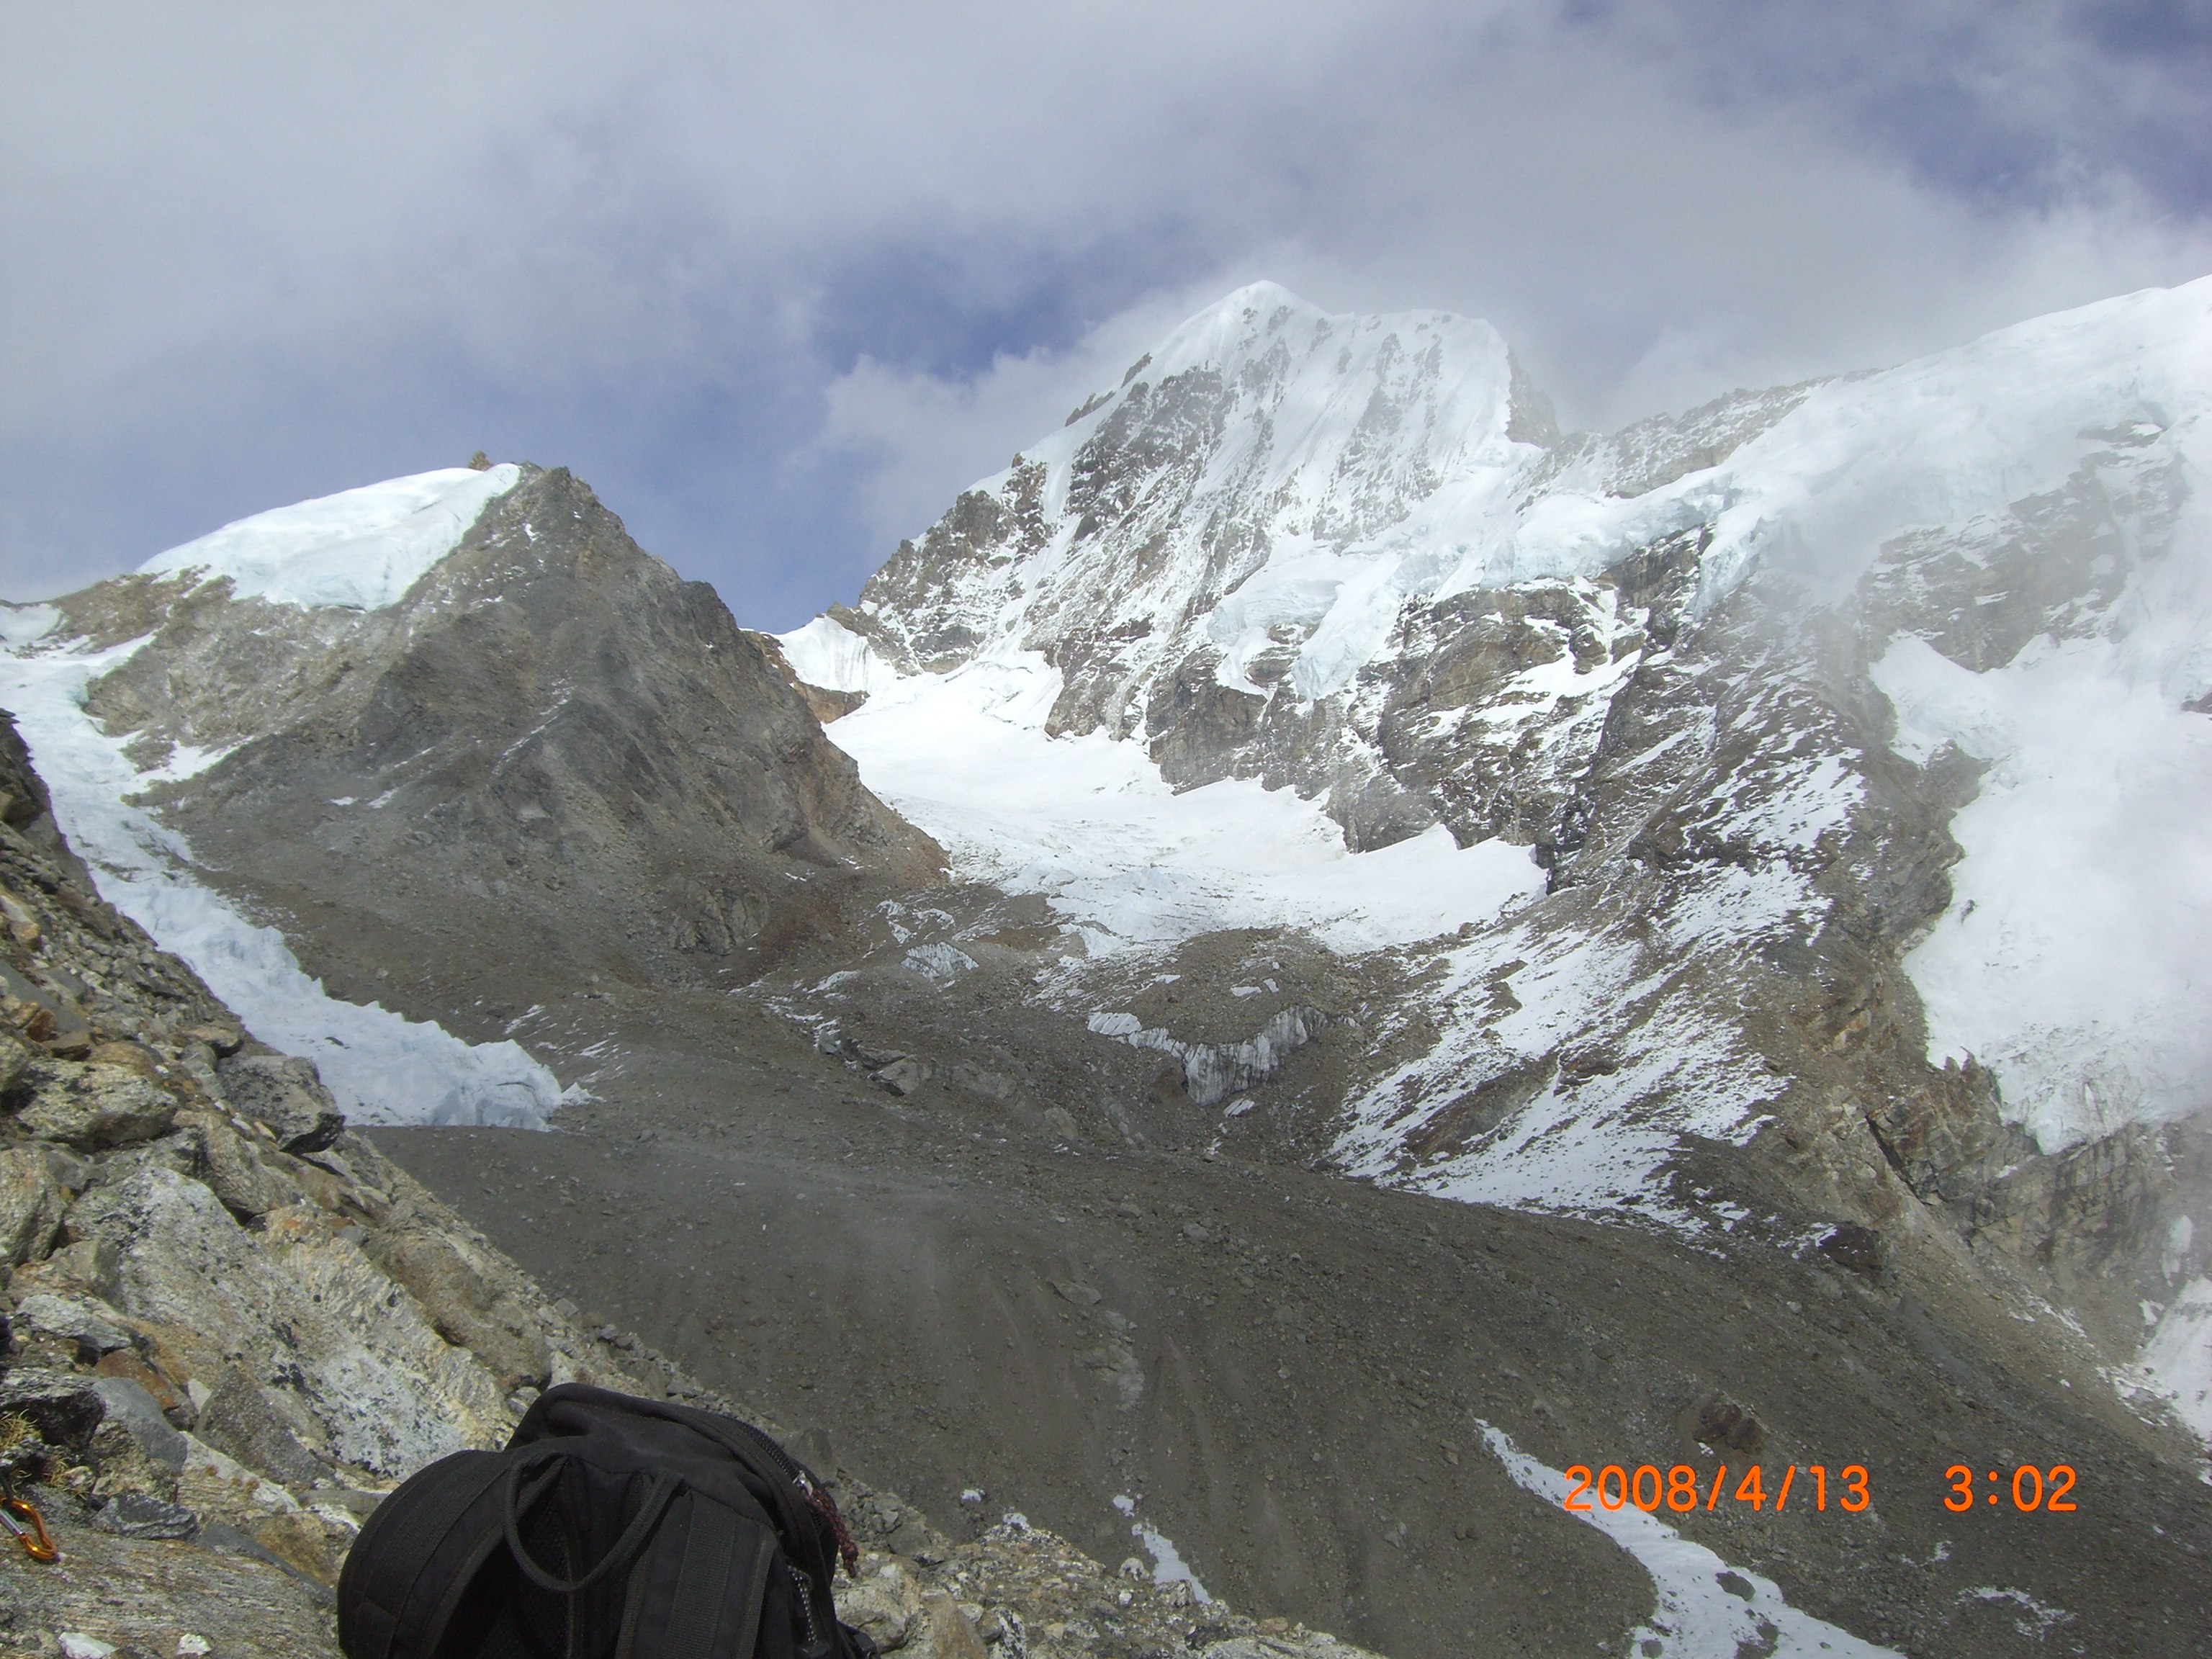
column 1089, row 822
column 360, row 549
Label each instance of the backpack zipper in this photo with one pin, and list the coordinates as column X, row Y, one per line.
column 805, row 1588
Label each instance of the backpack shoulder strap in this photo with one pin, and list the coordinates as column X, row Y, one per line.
column 698, row 1590
column 416, row 1553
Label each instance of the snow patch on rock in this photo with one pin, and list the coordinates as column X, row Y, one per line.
column 360, row 549
column 2177, row 1361
column 1707, row 1609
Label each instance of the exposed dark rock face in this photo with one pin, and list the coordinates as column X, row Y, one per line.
column 553, row 746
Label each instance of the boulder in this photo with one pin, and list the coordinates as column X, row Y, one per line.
column 219, row 1488
column 91, row 1326
column 62, row 1407
column 886, row 1600
column 285, row 1093
column 32, row 1200
column 236, row 1173
column 90, row 1107
column 902, row 1076
column 127, row 1402
column 15, row 1056
column 126, row 1362
column 132, row 1057
column 239, row 1418
column 332, row 1181
column 458, row 1287
column 122, row 1466
column 221, row 1039
column 135, row 1515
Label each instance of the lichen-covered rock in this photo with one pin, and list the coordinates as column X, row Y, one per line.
column 388, row 1391
column 236, row 1173
column 15, row 1056
column 92, row 1106
column 457, row 1286
column 445, row 1399
column 239, row 1418
column 86, row 1267
column 31, row 1203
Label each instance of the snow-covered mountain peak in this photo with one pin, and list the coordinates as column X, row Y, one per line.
column 1793, row 700
column 1267, row 449
column 360, row 549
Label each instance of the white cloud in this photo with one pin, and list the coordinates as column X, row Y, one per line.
column 235, row 229
column 917, row 438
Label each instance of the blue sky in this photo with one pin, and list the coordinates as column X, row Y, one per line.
column 778, row 279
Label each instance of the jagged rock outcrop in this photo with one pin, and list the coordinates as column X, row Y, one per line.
column 233, row 1325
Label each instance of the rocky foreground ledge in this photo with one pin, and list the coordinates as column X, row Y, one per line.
column 233, row 1325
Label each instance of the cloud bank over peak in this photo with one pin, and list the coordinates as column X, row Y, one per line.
column 780, row 280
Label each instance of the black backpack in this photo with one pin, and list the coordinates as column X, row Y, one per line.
column 610, row 1528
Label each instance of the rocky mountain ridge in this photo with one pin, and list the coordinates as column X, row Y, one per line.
column 547, row 708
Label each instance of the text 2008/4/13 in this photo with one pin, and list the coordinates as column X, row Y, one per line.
column 1679, row 1489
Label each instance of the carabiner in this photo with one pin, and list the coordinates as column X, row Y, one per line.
column 23, row 1521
